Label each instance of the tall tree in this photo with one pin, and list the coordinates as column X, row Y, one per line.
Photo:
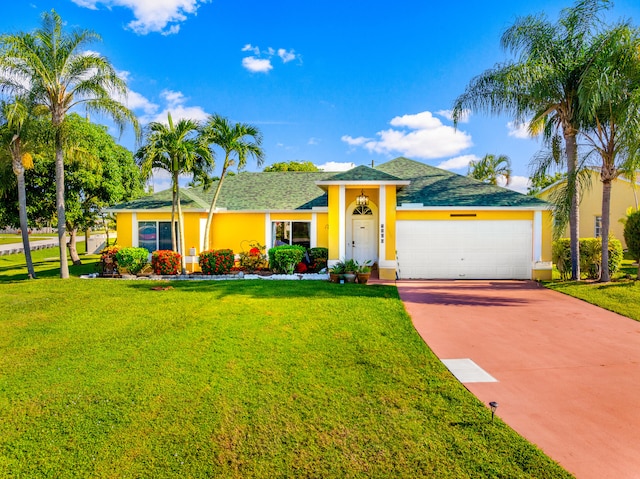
column 541, row 85
column 14, row 141
column 490, row 169
column 50, row 67
column 179, row 149
column 291, row 166
column 609, row 104
column 238, row 141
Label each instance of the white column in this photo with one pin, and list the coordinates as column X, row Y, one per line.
column 267, row 231
column 382, row 222
column 134, row 230
column 341, row 225
column 203, row 227
column 537, row 236
column 314, row 230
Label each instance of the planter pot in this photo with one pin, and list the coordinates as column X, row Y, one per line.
column 335, row 277
column 363, row 277
column 349, row 277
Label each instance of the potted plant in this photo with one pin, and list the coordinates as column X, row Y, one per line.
column 364, row 271
column 336, row 272
column 350, row 269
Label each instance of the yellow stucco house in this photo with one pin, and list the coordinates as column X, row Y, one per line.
column 623, row 196
column 411, row 219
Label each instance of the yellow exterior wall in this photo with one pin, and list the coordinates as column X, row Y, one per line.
column 389, row 252
column 334, row 222
column 322, row 230
column 124, row 229
column 236, row 230
column 622, row 197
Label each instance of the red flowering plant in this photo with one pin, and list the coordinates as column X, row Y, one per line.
column 301, row 267
column 217, row 261
column 108, row 263
column 254, row 259
column 165, row 261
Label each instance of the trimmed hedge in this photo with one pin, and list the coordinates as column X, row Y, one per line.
column 632, row 234
column 285, row 258
column 165, row 261
column 590, row 256
column 217, row 261
column 132, row 259
column 318, row 258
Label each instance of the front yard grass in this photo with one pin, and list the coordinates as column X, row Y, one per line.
column 242, row 379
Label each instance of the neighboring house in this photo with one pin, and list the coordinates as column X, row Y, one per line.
column 623, row 196
column 413, row 220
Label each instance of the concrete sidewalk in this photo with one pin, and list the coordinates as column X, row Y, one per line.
column 16, row 248
column 568, row 373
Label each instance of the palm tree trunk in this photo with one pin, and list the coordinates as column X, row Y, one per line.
column 60, row 206
column 18, row 169
column 574, row 220
column 73, row 249
column 604, row 228
column 183, row 260
column 174, row 198
column 207, row 227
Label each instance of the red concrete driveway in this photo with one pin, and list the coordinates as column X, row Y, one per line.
column 568, row 372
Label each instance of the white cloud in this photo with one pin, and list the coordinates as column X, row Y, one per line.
column 458, row 163
column 163, row 16
column 260, row 61
column 448, row 114
column 257, row 65
column 136, row 101
column 417, row 136
column 519, row 130
column 518, row 183
column 336, row 166
column 285, row 55
column 313, row 141
column 175, row 104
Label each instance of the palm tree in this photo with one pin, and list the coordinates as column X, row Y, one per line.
column 542, row 85
column 238, row 141
column 609, row 104
column 50, row 67
column 490, row 168
column 14, row 120
column 179, row 149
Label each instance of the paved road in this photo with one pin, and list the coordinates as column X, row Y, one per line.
column 568, row 372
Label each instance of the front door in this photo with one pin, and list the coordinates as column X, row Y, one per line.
column 363, row 243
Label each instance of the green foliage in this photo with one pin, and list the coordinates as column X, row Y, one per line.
column 292, row 166
column 337, row 268
column 590, row 256
column 108, row 261
column 364, row 266
column 490, row 168
column 132, row 260
column 318, row 259
column 285, row 258
column 254, row 259
column 350, row 266
column 165, row 262
column 218, row 261
column 541, row 180
column 632, row 234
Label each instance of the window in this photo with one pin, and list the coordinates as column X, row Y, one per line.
column 362, row 210
column 291, row 232
column 598, row 227
column 154, row 235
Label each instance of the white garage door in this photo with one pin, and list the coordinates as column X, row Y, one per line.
column 464, row 249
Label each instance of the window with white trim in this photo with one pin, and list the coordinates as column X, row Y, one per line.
column 154, row 235
column 291, row 232
column 598, row 227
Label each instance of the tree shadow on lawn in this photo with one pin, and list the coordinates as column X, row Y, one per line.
column 270, row 288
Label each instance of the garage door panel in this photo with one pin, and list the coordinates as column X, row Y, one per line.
column 464, row 249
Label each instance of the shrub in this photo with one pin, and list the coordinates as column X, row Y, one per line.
column 254, row 259
column 590, row 256
column 283, row 259
column 301, row 267
column 165, row 261
column 108, row 263
column 318, row 259
column 132, row 260
column 632, row 234
column 216, row 262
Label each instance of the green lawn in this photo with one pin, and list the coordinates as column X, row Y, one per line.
column 108, row 378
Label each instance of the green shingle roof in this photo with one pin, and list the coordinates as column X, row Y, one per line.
column 433, row 186
column 293, row 190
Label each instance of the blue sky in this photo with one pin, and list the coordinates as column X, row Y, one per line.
column 334, row 82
